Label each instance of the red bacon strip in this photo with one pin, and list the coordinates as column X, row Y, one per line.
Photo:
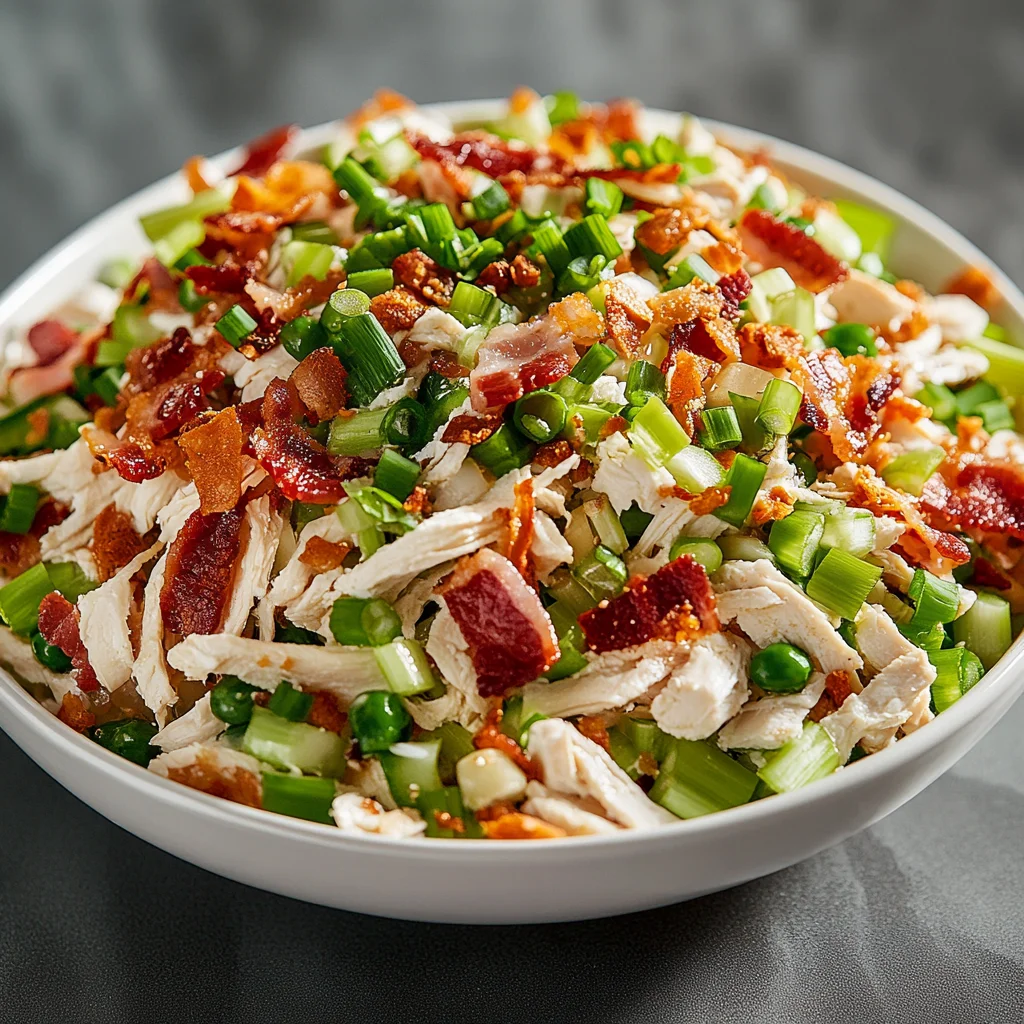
column 261, row 153
column 58, row 622
column 159, row 363
column 774, row 243
column 229, row 277
column 50, row 339
column 133, row 463
column 482, row 152
column 510, row 637
column 199, row 572
column 675, row 603
column 320, row 382
column 735, row 287
column 978, row 496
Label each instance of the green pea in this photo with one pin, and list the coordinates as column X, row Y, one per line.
column 128, row 738
column 780, row 668
column 231, row 700
column 378, row 720
column 50, row 655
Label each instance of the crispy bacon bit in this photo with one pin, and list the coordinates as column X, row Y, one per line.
column 520, row 529
column 155, row 284
column 469, row 429
column 38, row 421
column 521, row 826
column 775, row 243
column 159, row 363
column 320, row 382
column 685, row 388
column 27, row 383
column 323, row 555
column 213, row 455
column 728, row 261
column 114, row 541
column 397, row 309
column 448, row 365
column 627, row 317
column 735, row 287
column 843, row 398
column 264, row 151
column 299, row 465
column 517, row 358
column 977, row 496
column 206, row 775
column 976, row 285
column 777, row 505
column 770, row 346
column 424, row 276
column 50, row 339
column 510, row 637
column 525, row 273
column 711, row 339
column 838, row 686
column 552, row 454
column 199, row 571
column 183, row 402
column 709, row 499
column 325, row 713
column 576, row 316
column 497, row 276
column 491, row 736
column 75, row 713
column 264, row 336
column 479, row 150
column 674, row 603
column 825, row 706
column 133, row 463
column 385, row 101
column 192, row 169
column 668, row 228
column 696, row 299
column 288, row 189
column 58, row 622
column 594, row 728
column 229, row 277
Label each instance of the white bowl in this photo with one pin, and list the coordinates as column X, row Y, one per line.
column 485, row 881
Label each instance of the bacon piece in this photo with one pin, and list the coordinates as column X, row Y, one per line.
column 208, row 776
column 552, row 454
column 299, row 465
column 576, row 317
column 213, row 455
column 987, row 575
column 480, row 150
column 161, row 362
column 183, row 402
column 115, row 541
column 397, row 309
column 323, row 555
column 517, row 358
column 708, row 500
column 771, row 347
column 50, row 339
column 74, row 712
column 325, row 713
column 776, row 505
column 229, row 277
column 843, row 398
column 20, row 551
column 685, row 388
column 775, row 243
column 497, row 276
column 28, row 383
column 668, row 228
column 517, row 825
column 385, row 101
column 469, row 429
column 710, row 338
column 838, row 687
column 199, row 571
column 674, row 603
column 696, row 299
column 320, row 382
column 424, row 276
column 447, row 364
column 978, row 496
column 976, row 285
column 627, row 317
column 521, row 529
column 418, row 502
column 735, row 287
column 58, row 622
column 261, row 153
column 288, row 189
column 134, row 463
column 510, row 637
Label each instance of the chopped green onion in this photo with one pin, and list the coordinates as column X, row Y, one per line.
column 781, row 668
column 852, row 339
column 160, row 223
column 602, row 572
column 769, row 196
column 129, row 738
column 851, row 529
column 489, row 203
column 351, row 176
column 231, row 700
column 706, row 552
column 299, row 796
column 796, row 309
column 396, row 474
column 1005, row 363
column 606, row 523
column 369, row 355
column 515, row 227
column 644, row 380
column 562, row 106
column 695, row 469
column 928, row 638
column 939, row 399
column 50, row 655
column 994, row 331
column 302, row 336
column 720, row 428
column 593, row 363
column 935, row 600
column 182, row 238
column 438, row 222
column 473, row 306
column 19, row 599
column 985, row 628
column 405, row 667
column 188, row 298
column 19, row 509
column 306, row 259
column 540, row 415
column 744, row 480
column 294, row 746
column 755, row 440
column 873, row 227
column 389, row 159
column 69, row 579
column 656, row 433
column 581, row 274
column 235, row 325
column 314, row 231
column 441, row 397
column 995, row 416
column 568, row 591
column 646, row 737
column 842, row 582
column 503, row 451
column 912, row 470
column 811, row 756
column 290, row 634
column 592, row 237
column 411, row 770
column 571, row 646
column 697, row 778
column 354, row 435
column 366, row 530
column 405, row 424
column 116, row 273
column 972, row 398
column 603, row 197
column 779, row 406
column 364, row 622
column 794, row 541
column 343, row 305
column 956, row 671
column 766, row 287
column 383, row 508
column 371, row 282
column 549, row 242
column 804, row 465
column 290, row 703
column 692, row 267
column 741, row 548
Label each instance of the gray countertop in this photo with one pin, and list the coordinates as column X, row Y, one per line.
column 918, row 919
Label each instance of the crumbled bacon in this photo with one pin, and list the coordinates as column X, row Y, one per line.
column 199, row 571
column 161, row 362
column 207, row 776
column 838, row 686
column 735, row 287
column 27, row 383
column 521, row 529
column 770, row 346
column 709, row 499
column 183, row 402
column 696, row 299
column 479, row 150
column 552, row 454
column 58, row 623
column 156, row 285
column 727, row 260
column 261, row 153
column 510, row 638
column 397, row 309
column 627, row 317
column 299, row 465
column 595, row 728
column 287, row 305
column 264, row 335
column 775, row 243
column 320, row 382
column 976, row 285
column 521, row 826
column 490, row 736
column 288, row 189
column 115, row 541
column 134, row 463
column 323, row 555
column 385, row 101
column 75, row 713
column 325, row 713
column 685, row 387
column 469, row 429
column 229, row 277
column 213, row 455
column 709, row 338
column 418, row 502
column 777, row 504
column 448, row 365
column 668, row 228
column 496, row 276
column 985, row 574
column 674, row 603
column 50, row 339
column 517, row 358
column 977, row 496
column 424, row 276
column 575, row 316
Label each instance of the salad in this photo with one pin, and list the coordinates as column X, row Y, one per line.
column 514, row 480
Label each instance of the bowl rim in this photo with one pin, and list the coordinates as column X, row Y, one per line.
column 17, row 703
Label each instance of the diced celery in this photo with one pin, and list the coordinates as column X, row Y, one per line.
column 697, row 778
column 411, row 770
column 873, row 227
column 985, row 628
column 405, row 666
column 294, row 746
column 796, row 309
column 835, row 236
column 765, row 288
column 811, row 756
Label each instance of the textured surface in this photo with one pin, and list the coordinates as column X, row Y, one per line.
column 917, row 920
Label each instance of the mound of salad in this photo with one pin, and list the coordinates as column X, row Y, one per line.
column 545, row 477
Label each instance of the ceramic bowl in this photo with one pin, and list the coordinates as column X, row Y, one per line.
column 484, row 881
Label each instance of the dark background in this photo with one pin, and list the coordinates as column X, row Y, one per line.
column 918, row 919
